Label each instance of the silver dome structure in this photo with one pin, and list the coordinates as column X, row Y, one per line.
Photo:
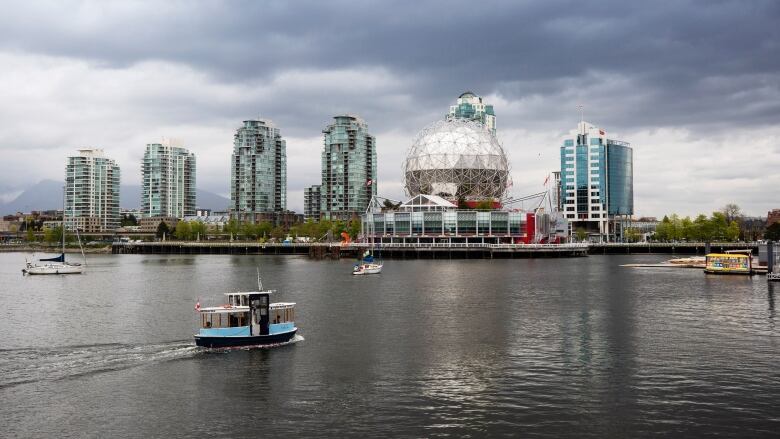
column 456, row 158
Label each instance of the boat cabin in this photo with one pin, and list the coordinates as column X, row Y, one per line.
column 247, row 314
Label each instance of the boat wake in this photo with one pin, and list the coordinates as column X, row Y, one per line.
column 27, row 365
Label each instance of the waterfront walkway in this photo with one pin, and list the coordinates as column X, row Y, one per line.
column 424, row 250
column 339, row 250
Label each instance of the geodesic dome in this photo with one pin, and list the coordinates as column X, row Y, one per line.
column 456, row 158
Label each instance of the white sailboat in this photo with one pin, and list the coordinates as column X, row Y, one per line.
column 367, row 264
column 58, row 265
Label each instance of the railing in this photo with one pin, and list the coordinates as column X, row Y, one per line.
column 352, row 245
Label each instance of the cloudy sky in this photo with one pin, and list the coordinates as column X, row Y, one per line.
column 694, row 86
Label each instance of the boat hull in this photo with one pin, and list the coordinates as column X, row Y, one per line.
column 376, row 269
column 54, row 269
column 243, row 341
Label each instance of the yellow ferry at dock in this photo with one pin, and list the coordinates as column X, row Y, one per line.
column 728, row 263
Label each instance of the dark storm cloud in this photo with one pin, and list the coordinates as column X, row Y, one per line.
column 677, row 79
column 688, row 62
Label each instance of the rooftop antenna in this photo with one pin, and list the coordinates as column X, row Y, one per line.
column 259, row 281
column 582, row 117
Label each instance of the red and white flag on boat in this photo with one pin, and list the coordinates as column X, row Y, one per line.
column 197, row 305
column 369, row 182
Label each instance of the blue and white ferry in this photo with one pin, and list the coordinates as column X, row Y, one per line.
column 247, row 319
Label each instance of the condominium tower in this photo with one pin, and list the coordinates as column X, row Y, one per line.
column 258, row 172
column 311, row 202
column 597, row 182
column 348, row 168
column 91, row 192
column 168, row 174
column 471, row 107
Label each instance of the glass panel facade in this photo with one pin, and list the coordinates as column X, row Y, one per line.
column 467, row 223
column 433, row 223
column 348, row 168
column 259, row 170
column 168, row 179
column 620, row 183
column 451, row 223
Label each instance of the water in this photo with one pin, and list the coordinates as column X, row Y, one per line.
column 532, row 347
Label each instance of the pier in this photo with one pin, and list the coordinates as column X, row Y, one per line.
column 352, row 250
column 423, row 250
column 673, row 248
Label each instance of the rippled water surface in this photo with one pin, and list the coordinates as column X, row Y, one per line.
column 528, row 347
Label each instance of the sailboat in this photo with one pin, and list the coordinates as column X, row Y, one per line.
column 367, row 265
column 57, row 265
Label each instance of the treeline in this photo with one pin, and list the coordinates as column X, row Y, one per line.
column 700, row 229
column 262, row 231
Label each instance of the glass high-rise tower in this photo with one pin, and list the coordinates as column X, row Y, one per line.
column 91, row 192
column 311, row 202
column 168, row 174
column 471, row 107
column 258, row 172
column 348, row 168
column 597, row 182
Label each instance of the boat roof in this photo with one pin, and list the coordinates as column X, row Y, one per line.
column 246, row 293
column 233, row 308
column 727, row 255
column 282, row 304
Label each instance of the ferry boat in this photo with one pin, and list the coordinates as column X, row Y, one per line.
column 248, row 319
column 728, row 263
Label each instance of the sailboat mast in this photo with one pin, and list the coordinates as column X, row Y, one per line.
column 64, row 193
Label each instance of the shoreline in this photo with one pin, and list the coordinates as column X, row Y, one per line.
column 53, row 250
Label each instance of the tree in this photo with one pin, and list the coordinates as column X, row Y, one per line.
column 732, row 212
column 162, row 230
column 703, row 229
column 353, row 228
column 55, row 235
column 278, row 232
column 264, row 229
column 389, row 205
column 662, row 230
column 337, row 227
column 631, row 234
column 773, row 232
column 732, row 233
column 129, row 220
column 581, row 234
column 249, row 231
column 231, row 228
column 183, row 230
column 198, row 230
column 30, row 235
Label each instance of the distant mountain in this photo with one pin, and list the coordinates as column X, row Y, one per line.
column 44, row 195
column 47, row 194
